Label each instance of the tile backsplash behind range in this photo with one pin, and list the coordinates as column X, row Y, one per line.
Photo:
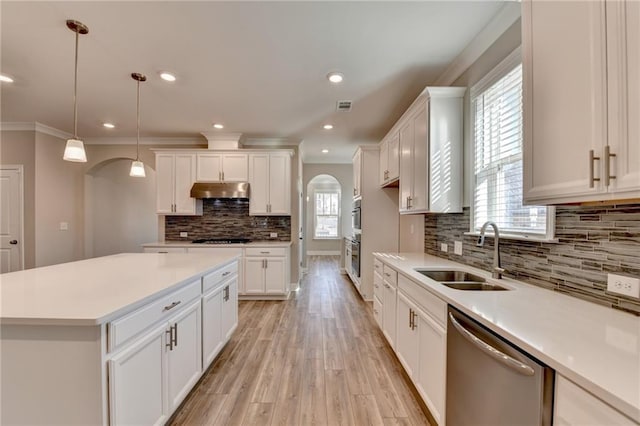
column 227, row 218
column 593, row 241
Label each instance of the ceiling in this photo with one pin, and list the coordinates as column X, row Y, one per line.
column 257, row 67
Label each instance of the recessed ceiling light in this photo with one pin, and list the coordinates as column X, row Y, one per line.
column 167, row 76
column 324, row 151
column 335, row 77
column 109, row 125
column 328, row 126
column 218, row 126
column 6, row 78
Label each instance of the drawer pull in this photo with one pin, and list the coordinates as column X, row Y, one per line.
column 171, row 306
column 265, row 252
column 175, row 334
column 387, row 274
column 170, row 338
column 226, row 273
column 166, row 252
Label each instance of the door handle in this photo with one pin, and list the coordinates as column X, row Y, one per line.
column 175, row 335
column 499, row 356
column 13, row 242
column 592, row 178
column 170, row 338
column 607, row 165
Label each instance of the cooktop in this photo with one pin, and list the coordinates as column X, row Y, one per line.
column 221, row 241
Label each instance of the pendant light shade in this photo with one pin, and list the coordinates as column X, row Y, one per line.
column 74, row 150
column 137, row 166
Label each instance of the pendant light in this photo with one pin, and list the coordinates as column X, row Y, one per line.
column 137, row 166
column 74, row 150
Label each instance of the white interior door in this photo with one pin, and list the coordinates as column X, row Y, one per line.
column 11, row 219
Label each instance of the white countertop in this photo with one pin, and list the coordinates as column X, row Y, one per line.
column 94, row 291
column 190, row 244
column 594, row 346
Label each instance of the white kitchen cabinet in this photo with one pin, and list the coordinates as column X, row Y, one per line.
column 430, row 144
column 407, row 348
column 575, row 406
column 150, row 377
column 357, row 173
column 266, row 271
column 222, row 167
column 270, row 180
column 229, row 309
column 390, row 159
column 377, row 311
column 175, row 175
column 431, row 378
column 212, row 341
column 184, row 358
column 581, row 101
column 136, row 381
column 389, row 283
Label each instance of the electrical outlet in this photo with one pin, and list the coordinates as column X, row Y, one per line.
column 620, row 284
column 273, row 235
column 444, row 247
column 184, row 234
column 457, row 247
column 64, row 226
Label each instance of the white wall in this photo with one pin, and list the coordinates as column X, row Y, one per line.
column 120, row 209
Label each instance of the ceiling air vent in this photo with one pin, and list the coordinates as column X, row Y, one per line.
column 344, row 106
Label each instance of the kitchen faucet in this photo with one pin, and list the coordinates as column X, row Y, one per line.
column 497, row 268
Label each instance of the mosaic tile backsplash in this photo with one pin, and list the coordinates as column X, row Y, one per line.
column 227, row 218
column 593, row 241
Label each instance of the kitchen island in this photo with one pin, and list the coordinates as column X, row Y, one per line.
column 112, row 340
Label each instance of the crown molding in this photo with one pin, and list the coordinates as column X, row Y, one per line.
column 270, row 142
column 508, row 14
column 34, row 126
column 144, row 141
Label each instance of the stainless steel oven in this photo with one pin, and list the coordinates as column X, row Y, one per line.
column 356, row 255
column 356, row 216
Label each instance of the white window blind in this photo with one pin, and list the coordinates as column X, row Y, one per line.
column 327, row 214
column 497, row 135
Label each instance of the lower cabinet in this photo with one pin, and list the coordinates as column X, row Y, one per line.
column 150, row 378
column 407, row 348
column 575, row 406
column 212, row 339
column 265, row 272
column 229, row 309
column 389, row 313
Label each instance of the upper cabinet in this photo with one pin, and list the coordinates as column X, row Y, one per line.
column 430, row 150
column 390, row 159
column 581, row 70
column 270, row 183
column 357, row 174
column 222, row 167
column 175, row 175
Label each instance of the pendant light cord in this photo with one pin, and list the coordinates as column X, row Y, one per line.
column 138, row 124
column 75, row 93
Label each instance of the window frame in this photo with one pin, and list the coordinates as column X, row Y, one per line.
column 498, row 72
column 315, row 214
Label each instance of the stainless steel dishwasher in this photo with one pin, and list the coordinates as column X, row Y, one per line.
column 491, row 382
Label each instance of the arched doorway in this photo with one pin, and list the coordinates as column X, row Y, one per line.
column 120, row 210
column 323, row 216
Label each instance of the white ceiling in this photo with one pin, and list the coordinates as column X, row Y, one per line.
column 258, row 67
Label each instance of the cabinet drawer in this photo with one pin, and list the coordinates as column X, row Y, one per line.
column 216, row 250
column 265, row 251
column 390, row 275
column 124, row 328
column 213, row 279
column 430, row 303
column 377, row 285
column 377, row 266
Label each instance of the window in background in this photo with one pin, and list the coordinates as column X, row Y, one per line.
column 496, row 105
column 327, row 214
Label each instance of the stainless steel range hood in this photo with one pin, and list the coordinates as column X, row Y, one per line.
column 220, row 190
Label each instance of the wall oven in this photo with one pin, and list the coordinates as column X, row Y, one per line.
column 356, row 220
column 356, row 256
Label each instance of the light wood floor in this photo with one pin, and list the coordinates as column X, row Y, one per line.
column 316, row 359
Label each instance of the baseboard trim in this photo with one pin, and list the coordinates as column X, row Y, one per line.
column 343, row 271
column 294, row 286
column 324, row 253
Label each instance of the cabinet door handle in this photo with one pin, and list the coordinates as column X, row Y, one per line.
column 170, row 338
column 265, row 252
column 607, row 165
column 175, row 334
column 171, row 306
column 592, row 178
column 223, row 176
column 266, row 263
column 410, row 317
column 219, row 175
column 413, row 324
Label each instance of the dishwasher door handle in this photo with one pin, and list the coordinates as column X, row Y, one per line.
column 499, row 356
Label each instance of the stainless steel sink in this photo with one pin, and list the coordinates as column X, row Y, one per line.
column 476, row 286
column 447, row 276
column 461, row 280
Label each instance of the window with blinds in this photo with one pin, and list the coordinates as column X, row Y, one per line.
column 327, row 215
column 496, row 104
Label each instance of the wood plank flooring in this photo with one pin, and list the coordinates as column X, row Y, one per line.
column 315, row 359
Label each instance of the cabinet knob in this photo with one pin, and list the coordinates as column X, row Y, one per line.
column 13, row 242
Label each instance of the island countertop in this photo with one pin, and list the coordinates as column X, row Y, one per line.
column 95, row 291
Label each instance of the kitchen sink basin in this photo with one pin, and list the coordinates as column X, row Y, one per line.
column 461, row 280
column 475, row 286
column 447, row 276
